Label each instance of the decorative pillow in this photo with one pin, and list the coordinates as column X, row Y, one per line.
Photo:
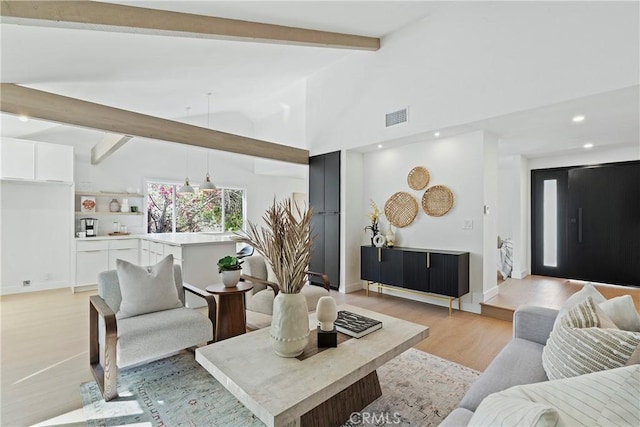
column 146, row 289
column 605, row 398
column 623, row 312
column 578, row 345
column 587, row 291
column 495, row 410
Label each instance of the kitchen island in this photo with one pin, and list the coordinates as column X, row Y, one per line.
column 196, row 253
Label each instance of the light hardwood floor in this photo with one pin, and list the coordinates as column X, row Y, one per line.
column 44, row 346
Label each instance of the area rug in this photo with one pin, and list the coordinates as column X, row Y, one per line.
column 418, row 389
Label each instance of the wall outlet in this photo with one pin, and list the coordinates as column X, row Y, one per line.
column 467, row 224
column 26, row 283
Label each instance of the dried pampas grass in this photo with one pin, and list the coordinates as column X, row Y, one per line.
column 285, row 243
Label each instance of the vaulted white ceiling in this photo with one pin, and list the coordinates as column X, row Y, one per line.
column 162, row 75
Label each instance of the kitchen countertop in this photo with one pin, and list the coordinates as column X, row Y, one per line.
column 174, row 239
column 185, row 239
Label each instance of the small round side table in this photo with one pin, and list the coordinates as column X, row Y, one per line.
column 231, row 318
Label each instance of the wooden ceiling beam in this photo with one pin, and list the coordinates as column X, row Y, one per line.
column 20, row 100
column 92, row 15
column 109, row 145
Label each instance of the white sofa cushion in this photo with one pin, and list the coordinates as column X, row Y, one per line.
column 153, row 335
column 598, row 399
column 513, row 411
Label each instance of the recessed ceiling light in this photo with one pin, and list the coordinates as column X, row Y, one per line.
column 23, row 118
column 379, row 145
column 588, row 145
column 437, row 134
column 578, row 119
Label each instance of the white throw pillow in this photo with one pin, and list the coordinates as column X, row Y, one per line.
column 604, row 398
column 623, row 312
column 146, row 289
column 587, row 291
column 579, row 345
column 497, row 410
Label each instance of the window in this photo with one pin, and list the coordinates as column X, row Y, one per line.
column 216, row 211
column 550, row 223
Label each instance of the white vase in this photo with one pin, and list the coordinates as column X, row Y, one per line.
column 230, row 278
column 289, row 324
column 391, row 237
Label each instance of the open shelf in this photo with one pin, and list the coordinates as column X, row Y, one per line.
column 105, row 194
column 108, row 213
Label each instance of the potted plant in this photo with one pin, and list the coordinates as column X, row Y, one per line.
column 230, row 267
column 285, row 243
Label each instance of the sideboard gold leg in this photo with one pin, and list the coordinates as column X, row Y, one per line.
column 450, row 308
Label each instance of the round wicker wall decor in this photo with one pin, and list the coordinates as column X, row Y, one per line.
column 418, row 178
column 401, row 209
column 437, row 200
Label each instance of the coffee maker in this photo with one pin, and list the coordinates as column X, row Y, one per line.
column 89, row 226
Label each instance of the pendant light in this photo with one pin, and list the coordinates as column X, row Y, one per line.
column 186, row 188
column 207, row 186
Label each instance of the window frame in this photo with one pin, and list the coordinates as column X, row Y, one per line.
column 177, row 185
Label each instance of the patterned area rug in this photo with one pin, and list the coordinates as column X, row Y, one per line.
column 417, row 389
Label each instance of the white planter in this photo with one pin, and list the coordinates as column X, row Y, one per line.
column 230, row 278
column 289, row 324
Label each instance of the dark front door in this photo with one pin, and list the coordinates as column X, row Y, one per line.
column 604, row 223
column 586, row 223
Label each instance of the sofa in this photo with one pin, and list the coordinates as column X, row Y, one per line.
column 519, row 362
column 259, row 300
column 579, row 365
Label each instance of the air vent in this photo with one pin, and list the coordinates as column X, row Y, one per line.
column 395, row 117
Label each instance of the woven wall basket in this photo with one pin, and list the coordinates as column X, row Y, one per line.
column 418, row 178
column 401, row 209
column 437, row 200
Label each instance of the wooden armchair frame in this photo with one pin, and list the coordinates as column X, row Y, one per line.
column 107, row 376
column 325, row 281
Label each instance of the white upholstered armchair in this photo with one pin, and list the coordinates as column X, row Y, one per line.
column 259, row 301
column 118, row 340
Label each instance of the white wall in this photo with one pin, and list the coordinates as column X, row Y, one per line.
column 513, row 185
column 473, row 60
column 514, row 205
column 141, row 159
column 352, row 218
column 459, row 163
column 36, row 235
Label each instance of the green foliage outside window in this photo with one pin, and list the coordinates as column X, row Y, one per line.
column 216, row 211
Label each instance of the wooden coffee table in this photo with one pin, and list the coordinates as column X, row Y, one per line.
column 323, row 389
column 231, row 317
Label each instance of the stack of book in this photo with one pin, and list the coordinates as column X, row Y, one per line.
column 355, row 325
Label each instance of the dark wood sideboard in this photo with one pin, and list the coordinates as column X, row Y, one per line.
column 436, row 273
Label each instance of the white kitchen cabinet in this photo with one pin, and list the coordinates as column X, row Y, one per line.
column 145, row 256
column 92, row 257
column 37, row 161
column 17, row 159
column 96, row 256
column 126, row 249
column 156, row 252
column 54, row 162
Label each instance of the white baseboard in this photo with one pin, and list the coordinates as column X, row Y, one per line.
column 353, row 287
column 519, row 274
column 35, row 287
column 489, row 293
column 84, row 288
